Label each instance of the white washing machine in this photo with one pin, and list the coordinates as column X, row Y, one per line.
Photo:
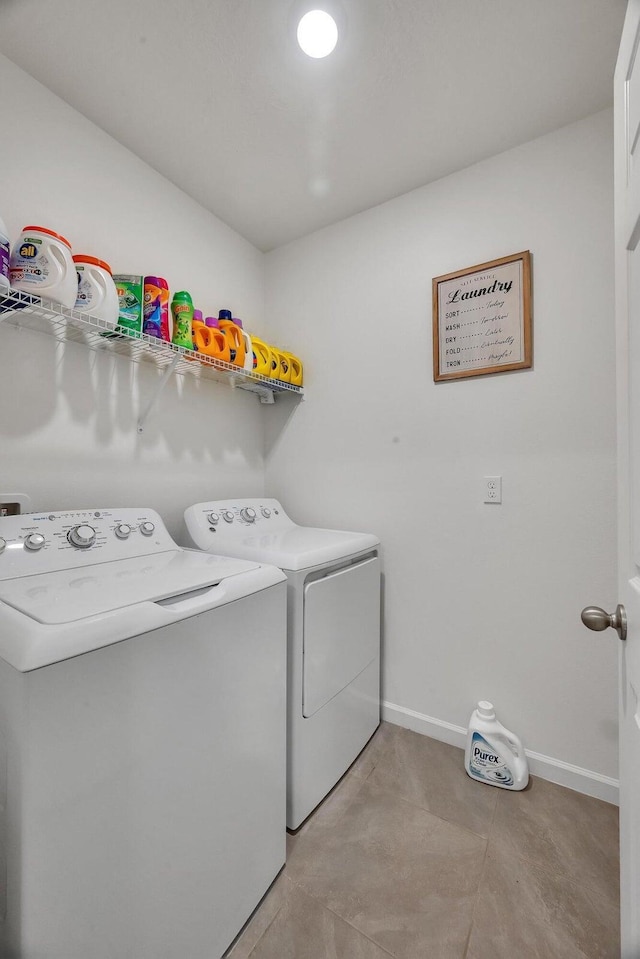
column 333, row 609
column 142, row 739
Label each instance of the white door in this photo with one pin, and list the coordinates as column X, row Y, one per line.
column 627, row 258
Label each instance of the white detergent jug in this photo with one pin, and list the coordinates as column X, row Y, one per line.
column 493, row 754
column 248, row 349
column 248, row 352
column 97, row 293
column 41, row 263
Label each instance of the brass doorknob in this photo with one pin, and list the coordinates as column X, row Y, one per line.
column 595, row 618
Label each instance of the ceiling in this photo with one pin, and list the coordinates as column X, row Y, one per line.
column 216, row 95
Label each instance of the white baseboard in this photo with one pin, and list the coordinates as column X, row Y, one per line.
column 555, row 770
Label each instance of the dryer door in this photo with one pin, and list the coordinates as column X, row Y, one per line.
column 341, row 630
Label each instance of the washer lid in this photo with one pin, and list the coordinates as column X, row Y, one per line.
column 259, row 529
column 298, row 547
column 66, row 596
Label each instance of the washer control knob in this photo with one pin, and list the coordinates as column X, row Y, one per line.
column 82, row 537
column 228, row 516
column 248, row 514
column 3, row 543
column 266, row 512
column 147, row 528
column 34, row 541
column 123, row 530
column 213, row 518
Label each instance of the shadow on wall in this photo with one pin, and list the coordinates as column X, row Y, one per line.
column 279, row 417
column 59, row 393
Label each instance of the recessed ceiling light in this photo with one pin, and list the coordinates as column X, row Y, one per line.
column 317, row 34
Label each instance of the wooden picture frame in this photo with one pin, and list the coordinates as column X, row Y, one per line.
column 482, row 319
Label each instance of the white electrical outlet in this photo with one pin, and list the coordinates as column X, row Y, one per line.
column 492, row 489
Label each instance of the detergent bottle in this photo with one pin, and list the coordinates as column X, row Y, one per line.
column 210, row 340
column 493, row 754
column 41, row 263
column 248, row 350
column 166, row 325
column 152, row 307
column 234, row 337
column 182, row 312
column 97, row 293
column 195, row 323
column 261, row 356
column 295, row 369
column 275, row 370
column 285, row 368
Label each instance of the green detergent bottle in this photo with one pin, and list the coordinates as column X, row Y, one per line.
column 182, row 312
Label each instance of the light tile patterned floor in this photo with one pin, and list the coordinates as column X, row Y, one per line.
column 409, row 858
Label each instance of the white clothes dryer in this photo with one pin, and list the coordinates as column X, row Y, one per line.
column 333, row 630
column 142, row 739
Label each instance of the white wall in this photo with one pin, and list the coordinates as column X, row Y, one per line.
column 67, row 416
column 480, row 601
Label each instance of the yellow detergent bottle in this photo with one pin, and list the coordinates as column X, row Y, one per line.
column 261, row 357
column 274, row 372
column 285, row 367
column 295, row 369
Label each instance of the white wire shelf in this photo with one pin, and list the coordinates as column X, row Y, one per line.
column 45, row 316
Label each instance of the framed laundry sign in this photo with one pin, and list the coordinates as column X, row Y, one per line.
column 482, row 319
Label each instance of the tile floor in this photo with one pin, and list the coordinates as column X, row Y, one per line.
column 408, row 857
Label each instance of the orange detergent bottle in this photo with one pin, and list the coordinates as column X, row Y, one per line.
column 234, row 336
column 212, row 341
column 195, row 324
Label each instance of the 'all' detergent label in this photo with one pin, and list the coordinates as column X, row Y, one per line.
column 485, row 764
column 29, row 263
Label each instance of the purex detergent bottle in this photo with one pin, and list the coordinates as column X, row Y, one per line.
column 493, row 754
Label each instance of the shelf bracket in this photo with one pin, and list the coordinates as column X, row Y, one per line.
column 166, row 376
column 267, row 397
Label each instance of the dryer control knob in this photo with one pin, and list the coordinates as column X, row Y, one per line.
column 248, row 514
column 266, row 512
column 3, row 543
column 213, row 518
column 123, row 530
column 228, row 516
column 147, row 528
column 34, row 541
column 82, row 537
